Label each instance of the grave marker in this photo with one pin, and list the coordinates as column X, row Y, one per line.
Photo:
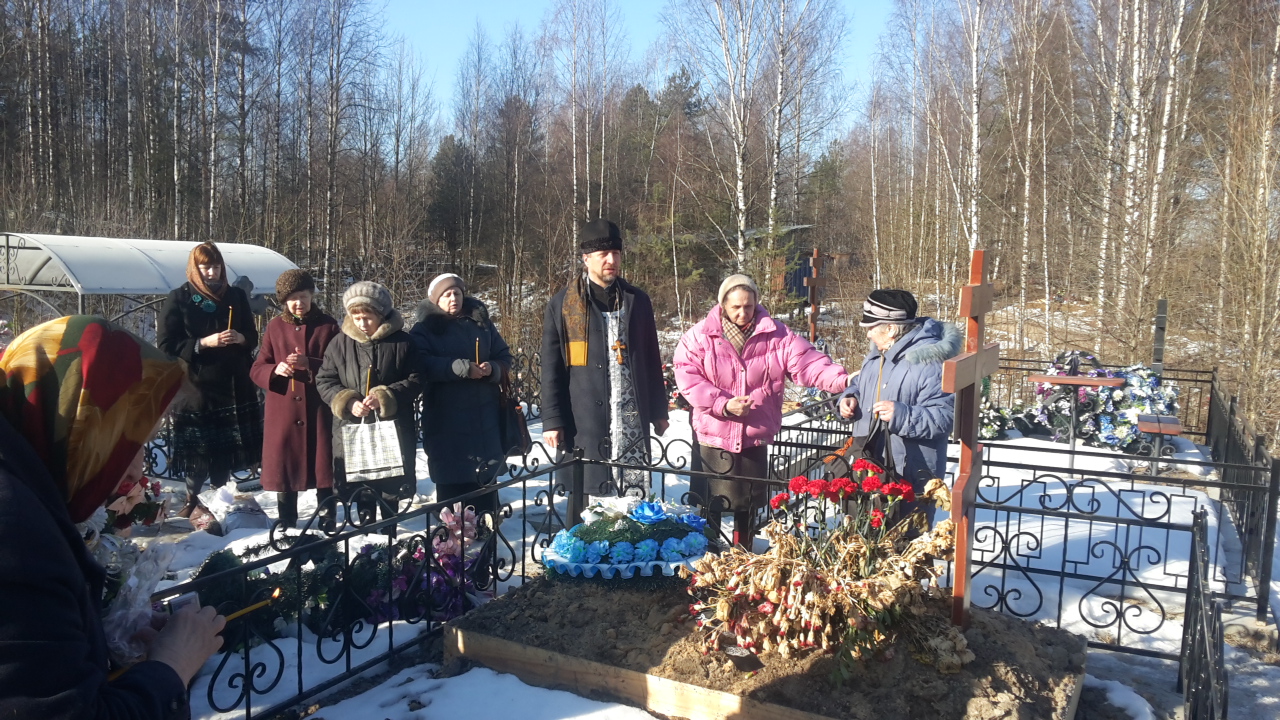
column 963, row 375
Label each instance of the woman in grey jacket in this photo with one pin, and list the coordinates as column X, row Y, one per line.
column 372, row 369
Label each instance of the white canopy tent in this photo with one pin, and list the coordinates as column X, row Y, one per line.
column 113, row 266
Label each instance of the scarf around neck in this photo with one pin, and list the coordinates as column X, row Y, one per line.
column 576, row 312
column 737, row 336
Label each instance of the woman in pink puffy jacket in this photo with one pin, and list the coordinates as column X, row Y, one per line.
column 732, row 367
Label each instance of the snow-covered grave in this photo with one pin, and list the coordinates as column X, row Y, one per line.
column 415, row 693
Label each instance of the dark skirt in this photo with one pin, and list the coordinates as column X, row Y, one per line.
column 223, row 430
column 731, row 496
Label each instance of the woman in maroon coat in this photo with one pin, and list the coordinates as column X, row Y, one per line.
column 297, row 445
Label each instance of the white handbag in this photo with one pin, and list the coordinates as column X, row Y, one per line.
column 372, row 450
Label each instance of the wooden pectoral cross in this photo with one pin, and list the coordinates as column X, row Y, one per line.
column 618, row 346
column 963, row 376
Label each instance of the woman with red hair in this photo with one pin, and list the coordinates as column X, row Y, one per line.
column 207, row 322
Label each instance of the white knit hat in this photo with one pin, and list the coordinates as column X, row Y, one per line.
column 734, row 281
column 443, row 282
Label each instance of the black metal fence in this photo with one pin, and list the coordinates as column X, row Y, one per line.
column 359, row 592
column 1202, row 677
column 1103, row 553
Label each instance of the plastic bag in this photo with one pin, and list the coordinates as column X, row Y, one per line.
column 227, row 511
column 130, row 610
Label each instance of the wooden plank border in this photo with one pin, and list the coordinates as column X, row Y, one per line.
column 556, row 671
column 588, row 678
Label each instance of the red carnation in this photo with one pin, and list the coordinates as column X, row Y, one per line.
column 798, row 484
column 894, row 489
column 908, row 493
column 860, row 464
column 844, row 486
column 872, row 484
column 779, row 500
column 817, row 488
column 871, row 467
column 877, row 517
column 766, row 607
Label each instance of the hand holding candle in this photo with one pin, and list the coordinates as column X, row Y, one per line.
column 296, row 351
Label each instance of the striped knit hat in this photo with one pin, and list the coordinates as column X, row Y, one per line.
column 888, row 307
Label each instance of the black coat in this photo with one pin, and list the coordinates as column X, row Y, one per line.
column 53, row 653
column 221, row 374
column 460, row 416
column 396, row 382
column 576, row 399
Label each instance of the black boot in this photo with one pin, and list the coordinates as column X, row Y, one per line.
column 194, row 483
column 287, row 504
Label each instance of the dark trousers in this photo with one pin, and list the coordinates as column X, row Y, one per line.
column 287, row 503
column 216, row 473
column 726, row 495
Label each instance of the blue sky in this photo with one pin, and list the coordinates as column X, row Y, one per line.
column 438, row 30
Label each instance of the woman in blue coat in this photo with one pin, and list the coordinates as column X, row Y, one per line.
column 901, row 382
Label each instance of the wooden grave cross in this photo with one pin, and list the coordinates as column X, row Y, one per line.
column 963, row 375
column 814, row 282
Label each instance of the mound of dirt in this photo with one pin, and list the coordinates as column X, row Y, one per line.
column 1021, row 670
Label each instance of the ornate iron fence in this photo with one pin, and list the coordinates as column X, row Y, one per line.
column 356, row 593
column 1202, row 676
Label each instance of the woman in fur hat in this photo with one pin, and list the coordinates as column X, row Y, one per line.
column 464, row 358
column 297, row 445
column 372, row 369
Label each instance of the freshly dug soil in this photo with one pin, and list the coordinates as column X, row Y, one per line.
column 1021, row 671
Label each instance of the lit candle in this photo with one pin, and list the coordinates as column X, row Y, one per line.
column 244, row 611
column 255, row 606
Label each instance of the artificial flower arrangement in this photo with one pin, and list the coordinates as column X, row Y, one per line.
column 676, row 399
column 134, row 503
column 1106, row 417
column 840, row 575
column 627, row 535
column 379, row 583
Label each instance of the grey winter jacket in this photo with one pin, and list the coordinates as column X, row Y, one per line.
column 912, row 379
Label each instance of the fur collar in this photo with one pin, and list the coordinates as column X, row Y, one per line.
column 394, row 323
column 436, row 320
column 931, row 342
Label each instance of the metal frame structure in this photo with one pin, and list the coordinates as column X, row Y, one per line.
column 32, row 264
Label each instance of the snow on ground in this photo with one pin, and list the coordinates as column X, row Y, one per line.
column 1035, row 542
column 1123, row 697
column 479, row 694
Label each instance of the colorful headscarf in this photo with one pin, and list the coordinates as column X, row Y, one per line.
column 87, row 395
